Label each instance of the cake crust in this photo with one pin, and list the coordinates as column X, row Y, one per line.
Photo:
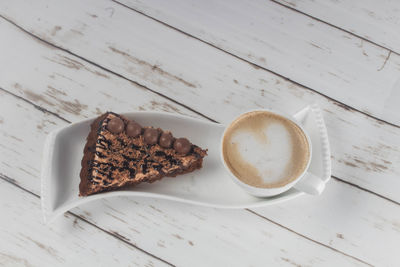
column 114, row 160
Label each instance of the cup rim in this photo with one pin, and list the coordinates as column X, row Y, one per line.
column 262, row 191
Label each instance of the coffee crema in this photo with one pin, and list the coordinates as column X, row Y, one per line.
column 266, row 150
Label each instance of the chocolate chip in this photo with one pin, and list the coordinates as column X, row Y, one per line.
column 151, row 136
column 100, row 155
column 143, row 167
column 115, row 125
column 157, row 167
column 133, row 146
column 132, row 173
column 182, row 146
column 159, row 153
column 166, row 140
column 133, row 129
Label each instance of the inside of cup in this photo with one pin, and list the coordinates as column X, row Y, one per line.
column 265, row 149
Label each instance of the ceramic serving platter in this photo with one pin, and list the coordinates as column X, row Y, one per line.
column 210, row 186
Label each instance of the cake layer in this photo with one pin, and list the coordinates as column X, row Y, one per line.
column 113, row 159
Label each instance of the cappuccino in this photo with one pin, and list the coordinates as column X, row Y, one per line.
column 266, row 150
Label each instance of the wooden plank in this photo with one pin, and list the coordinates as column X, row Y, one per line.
column 343, row 218
column 207, row 80
column 312, row 53
column 157, row 226
column 328, row 60
column 376, row 21
column 26, row 241
column 167, row 229
column 67, row 87
column 338, row 218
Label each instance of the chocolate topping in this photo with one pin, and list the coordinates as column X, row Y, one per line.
column 115, row 125
column 166, row 140
column 112, row 161
column 151, row 136
column 182, row 146
column 133, row 129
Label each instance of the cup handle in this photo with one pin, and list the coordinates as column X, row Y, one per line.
column 310, row 184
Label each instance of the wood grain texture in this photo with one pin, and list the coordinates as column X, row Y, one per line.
column 26, row 241
column 377, row 21
column 302, row 49
column 211, row 237
column 168, row 229
column 211, row 82
column 158, row 226
column 337, row 218
column 66, row 87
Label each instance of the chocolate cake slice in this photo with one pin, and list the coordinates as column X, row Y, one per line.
column 121, row 152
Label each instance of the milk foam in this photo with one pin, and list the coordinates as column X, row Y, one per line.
column 270, row 154
column 266, row 150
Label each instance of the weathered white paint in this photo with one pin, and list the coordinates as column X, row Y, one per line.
column 63, row 85
column 26, row 241
column 171, row 218
column 305, row 50
column 312, row 53
column 221, row 87
column 344, row 218
column 156, row 226
column 377, row 21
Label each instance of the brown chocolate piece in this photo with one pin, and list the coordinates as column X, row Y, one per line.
column 166, row 140
column 116, row 125
column 133, row 129
column 151, row 136
column 111, row 161
column 182, row 146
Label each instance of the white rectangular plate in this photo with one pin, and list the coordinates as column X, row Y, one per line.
column 209, row 186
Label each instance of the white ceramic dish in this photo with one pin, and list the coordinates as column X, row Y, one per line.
column 211, row 186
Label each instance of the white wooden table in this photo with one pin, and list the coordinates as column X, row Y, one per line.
column 63, row 61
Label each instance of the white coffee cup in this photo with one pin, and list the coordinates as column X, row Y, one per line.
column 305, row 182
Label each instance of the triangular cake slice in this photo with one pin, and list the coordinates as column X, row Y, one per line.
column 121, row 152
